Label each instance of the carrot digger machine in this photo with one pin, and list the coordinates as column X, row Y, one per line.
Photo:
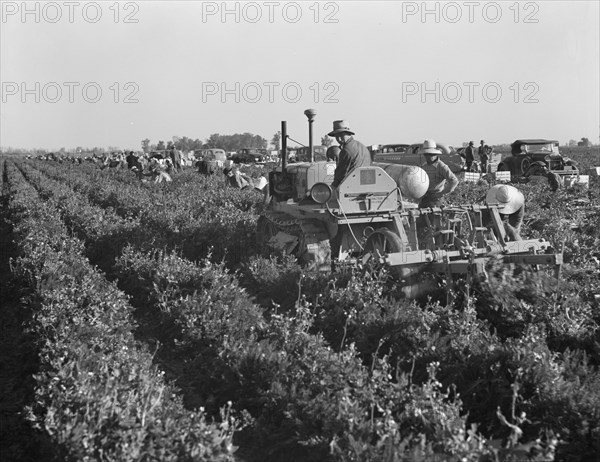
column 372, row 217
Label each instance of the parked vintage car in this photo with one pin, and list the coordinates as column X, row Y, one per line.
column 410, row 154
column 534, row 157
column 210, row 160
column 218, row 155
column 249, row 156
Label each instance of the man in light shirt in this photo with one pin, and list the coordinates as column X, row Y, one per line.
column 441, row 179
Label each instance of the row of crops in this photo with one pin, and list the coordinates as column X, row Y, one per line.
column 161, row 335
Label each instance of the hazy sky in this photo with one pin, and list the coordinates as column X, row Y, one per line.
column 113, row 73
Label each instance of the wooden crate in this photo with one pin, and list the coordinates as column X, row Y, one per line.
column 577, row 179
column 594, row 171
column 472, row 177
column 492, row 167
column 502, row 176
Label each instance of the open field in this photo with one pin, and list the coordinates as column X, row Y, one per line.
column 144, row 326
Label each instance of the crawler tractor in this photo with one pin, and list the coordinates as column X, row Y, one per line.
column 370, row 217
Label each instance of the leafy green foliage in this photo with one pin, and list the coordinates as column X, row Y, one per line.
column 337, row 367
column 97, row 393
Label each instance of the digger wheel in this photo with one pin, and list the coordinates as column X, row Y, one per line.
column 385, row 241
column 382, row 242
column 265, row 231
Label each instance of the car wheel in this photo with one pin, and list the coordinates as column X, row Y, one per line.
column 535, row 169
column 525, row 165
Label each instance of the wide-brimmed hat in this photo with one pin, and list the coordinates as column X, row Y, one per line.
column 340, row 126
column 430, row 148
column 510, row 197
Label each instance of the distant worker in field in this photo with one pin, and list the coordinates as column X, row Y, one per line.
column 486, row 157
column 554, row 179
column 441, row 179
column 135, row 163
column 513, row 208
column 131, row 159
column 481, row 149
column 175, row 157
column 353, row 153
column 239, row 180
column 470, row 155
column 333, row 154
column 157, row 171
column 483, row 152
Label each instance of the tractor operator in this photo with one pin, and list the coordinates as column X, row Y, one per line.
column 353, row 153
column 441, row 179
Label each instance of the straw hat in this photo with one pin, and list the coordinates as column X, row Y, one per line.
column 510, row 197
column 429, row 147
column 339, row 127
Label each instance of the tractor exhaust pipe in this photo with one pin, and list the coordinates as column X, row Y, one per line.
column 310, row 113
column 284, row 153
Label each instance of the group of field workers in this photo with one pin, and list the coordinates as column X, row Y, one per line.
column 156, row 167
column 485, row 154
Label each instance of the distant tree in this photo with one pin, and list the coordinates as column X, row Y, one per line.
column 259, row 142
column 276, row 141
column 326, row 140
column 160, row 146
column 197, row 144
column 213, row 141
column 235, row 142
column 585, row 142
column 146, row 145
column 184, row 143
